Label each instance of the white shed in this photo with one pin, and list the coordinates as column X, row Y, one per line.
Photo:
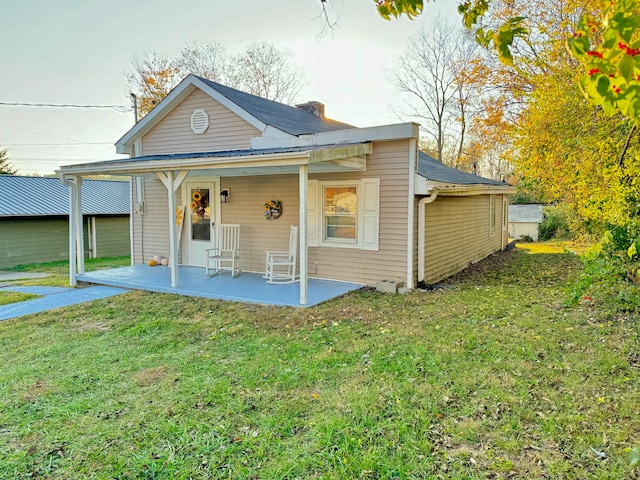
column 524, row 221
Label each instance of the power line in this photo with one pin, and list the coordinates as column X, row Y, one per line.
column 54, row 144
column 117, row 108
column 74, row 140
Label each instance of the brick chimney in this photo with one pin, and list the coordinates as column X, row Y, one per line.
column 314, row 107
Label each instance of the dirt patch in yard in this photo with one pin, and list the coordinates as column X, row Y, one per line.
column 151, row 376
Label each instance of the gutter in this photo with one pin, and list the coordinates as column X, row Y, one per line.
column 151, row 166
column 421, row 230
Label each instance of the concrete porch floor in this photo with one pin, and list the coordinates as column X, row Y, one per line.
column 246, row 287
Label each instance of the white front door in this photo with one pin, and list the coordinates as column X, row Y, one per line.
column 202, row 200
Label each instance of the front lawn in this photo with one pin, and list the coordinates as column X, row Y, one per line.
column 491, row 376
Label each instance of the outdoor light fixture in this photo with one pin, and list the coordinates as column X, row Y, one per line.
column 224, row 196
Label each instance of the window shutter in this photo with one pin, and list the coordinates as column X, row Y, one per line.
column 370, row 213
column 313, row 214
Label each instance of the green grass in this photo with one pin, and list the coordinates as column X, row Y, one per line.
column 7, row 297
column 59, row 271
column 490, row 377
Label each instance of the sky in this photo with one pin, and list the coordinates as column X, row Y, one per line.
column 78, row 52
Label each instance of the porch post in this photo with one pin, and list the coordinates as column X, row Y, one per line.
column 303, row 177
column 79, row 224
column 173, row 244
column 172, row 183
column 72, row 231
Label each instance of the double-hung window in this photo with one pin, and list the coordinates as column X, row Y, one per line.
column 340, row 214
column 344, row 213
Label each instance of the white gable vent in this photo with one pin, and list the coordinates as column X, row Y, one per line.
column 199, row 121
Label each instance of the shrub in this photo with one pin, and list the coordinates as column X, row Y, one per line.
column 610, row 274
column 555, row 224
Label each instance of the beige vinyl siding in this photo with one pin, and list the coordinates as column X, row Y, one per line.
column 151, row 230
column 389, row 163
column 173, row 134
column 112, row 236
column 457, row 234
column 246, row 207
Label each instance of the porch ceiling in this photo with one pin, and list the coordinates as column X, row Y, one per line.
column 319, row 159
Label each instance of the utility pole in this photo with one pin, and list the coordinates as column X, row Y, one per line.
column 135, row 107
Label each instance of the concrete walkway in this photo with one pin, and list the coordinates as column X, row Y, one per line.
column 52, row 297
column 10, row 276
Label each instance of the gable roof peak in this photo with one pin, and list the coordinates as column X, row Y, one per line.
column 258, row 111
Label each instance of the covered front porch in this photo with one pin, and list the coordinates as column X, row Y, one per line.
column 246, row 287
column 173, row 169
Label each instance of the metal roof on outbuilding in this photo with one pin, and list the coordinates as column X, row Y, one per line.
column 432, row 169
column 40, row 196
column 526, row 213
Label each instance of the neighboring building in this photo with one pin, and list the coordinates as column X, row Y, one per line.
column 524, row 221
column 370, row 207
column 34, row 219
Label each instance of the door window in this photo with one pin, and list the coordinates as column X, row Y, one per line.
column 200, row 214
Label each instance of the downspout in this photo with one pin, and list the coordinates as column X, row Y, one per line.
column 411, row 202
column 131, row 220
column 421, row 230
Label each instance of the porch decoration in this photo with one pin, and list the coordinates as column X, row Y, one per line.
column 272, row 209
column 198, row 204
column 179, row 222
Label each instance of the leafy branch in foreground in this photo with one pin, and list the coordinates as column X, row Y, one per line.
column 609, row 50
column 472, row 13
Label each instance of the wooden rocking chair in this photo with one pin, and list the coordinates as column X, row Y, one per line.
column 281, row 266
column 227, row 254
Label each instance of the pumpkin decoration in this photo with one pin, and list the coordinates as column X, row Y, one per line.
column 152, row 263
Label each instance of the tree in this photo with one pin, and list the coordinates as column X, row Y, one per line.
column 607, row 44
column 261, row 70
column 265, row 71
column 440, row 74
column 207, row 61
column 152, row 78
column 5, row 167
column 500, row 37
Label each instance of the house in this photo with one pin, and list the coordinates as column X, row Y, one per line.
column 368, row 204
column 524, row 221
column 34, row 219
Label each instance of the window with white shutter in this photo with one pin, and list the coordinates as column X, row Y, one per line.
column 344, row 213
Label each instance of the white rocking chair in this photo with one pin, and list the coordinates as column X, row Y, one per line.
column 281, row 266
column 227, row 254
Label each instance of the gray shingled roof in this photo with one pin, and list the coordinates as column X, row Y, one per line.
column 37, row 196
column 432, row 169
column 292, row 120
